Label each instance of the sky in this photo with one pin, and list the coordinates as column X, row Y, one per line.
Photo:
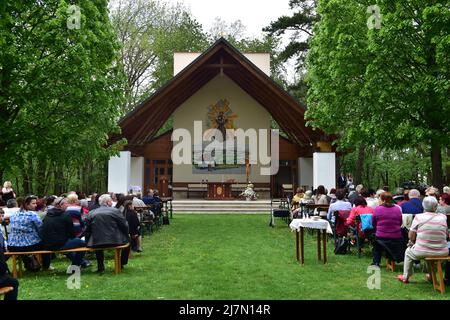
column 254, row 14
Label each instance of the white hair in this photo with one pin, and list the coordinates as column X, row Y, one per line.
column 414, row 193
column 104, row 199
column 431, row 191
column 72, row 198
column 359, row 187
column 84, row 203
column 7, row 184
column 379, row 192
column 430, row 204
column 446, row 189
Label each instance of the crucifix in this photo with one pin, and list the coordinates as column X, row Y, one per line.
column 247, row 169
column 221, row 65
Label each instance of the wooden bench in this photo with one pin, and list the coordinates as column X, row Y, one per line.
column 146, row 222
column 14, row 255
column 390, row 265
column 5, row 290
column 434, row 263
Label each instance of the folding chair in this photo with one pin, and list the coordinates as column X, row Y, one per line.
column 361, row 235
column 340, row 229
column 280, row 208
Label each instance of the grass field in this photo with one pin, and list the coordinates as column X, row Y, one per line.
column 226, row 257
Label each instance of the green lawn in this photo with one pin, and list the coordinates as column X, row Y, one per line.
column 226, row 257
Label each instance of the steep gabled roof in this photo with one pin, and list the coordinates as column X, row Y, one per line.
column 141, row 124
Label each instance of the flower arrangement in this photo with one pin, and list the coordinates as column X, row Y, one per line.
column 249, row 193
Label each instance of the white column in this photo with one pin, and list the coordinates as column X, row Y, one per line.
column 324, row 169
column 119, row 173
column 305, row 172
column 137, row 173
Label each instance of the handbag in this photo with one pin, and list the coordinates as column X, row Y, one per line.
column 32, row 263
column 341, row 246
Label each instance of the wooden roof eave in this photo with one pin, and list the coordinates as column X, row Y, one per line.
column 140, row 126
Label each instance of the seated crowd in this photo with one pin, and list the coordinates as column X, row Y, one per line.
column 68, row 222
column 425, row 235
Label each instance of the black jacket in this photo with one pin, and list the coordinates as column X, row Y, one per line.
column 3, row 265
column 106, row 226
column 56, row 229
column 395, row 248
column 133, row 222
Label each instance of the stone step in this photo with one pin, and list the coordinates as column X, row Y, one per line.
column 221, row 206
column 203, row 205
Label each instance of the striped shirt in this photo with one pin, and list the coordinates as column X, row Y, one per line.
column 431, row 231
column 78, row 224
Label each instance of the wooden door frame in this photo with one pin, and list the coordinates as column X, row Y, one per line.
column 293, row 166
column 151, row 166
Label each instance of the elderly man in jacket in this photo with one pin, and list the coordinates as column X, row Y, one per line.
column 414, row 204
column 106, row 227
column 59, row 233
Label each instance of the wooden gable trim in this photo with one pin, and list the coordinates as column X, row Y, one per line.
column 142, row 124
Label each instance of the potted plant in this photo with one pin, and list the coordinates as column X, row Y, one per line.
column 249, row 193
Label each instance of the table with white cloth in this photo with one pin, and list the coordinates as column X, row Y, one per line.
column 323, row 227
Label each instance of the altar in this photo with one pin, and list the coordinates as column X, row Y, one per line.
column 219, row 191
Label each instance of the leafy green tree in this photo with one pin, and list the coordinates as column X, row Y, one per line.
column 299, row 28
column 149, row 33
column 60, row 83
column 410, row 75
column 387, row 87
column 390, row 168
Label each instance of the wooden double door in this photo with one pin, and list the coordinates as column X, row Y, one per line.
column 287, row 174
column 158, row 175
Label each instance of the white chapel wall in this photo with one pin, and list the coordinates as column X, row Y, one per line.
column 250, row 114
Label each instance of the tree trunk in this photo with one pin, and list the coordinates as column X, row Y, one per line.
column 17, row 185
column 387, row 178
column 447, row 167
column 59, row 180
column 41, row 177
column 338, row 169
column 436, row 165
column 104, row 166
column 360, row 165
column 368, row 180
column 26, row 183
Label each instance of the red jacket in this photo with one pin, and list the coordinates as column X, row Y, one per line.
column 356, row 211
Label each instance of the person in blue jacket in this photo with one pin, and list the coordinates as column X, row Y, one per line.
column 414, row 204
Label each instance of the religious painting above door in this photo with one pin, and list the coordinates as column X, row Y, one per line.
column 220, row 117
column 219, row 161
